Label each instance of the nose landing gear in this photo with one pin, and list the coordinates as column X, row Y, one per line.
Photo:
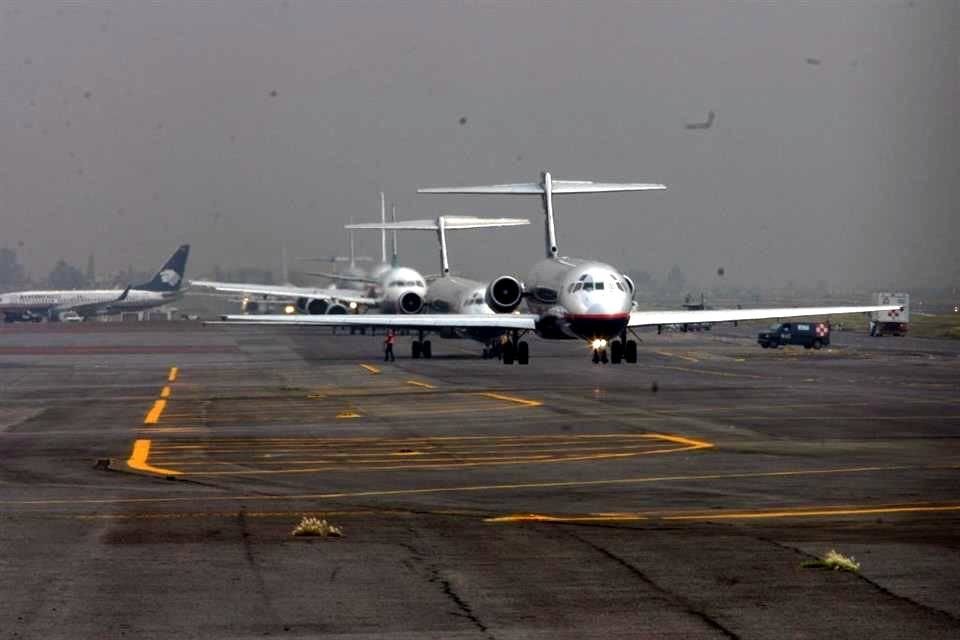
column 620, row 350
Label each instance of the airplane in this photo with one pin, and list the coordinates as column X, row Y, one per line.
column 567, row 298
column 447, row 293
column 162, row 289
column 711, row 116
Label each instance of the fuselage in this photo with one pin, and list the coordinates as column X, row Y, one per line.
column 453, row 294
column 402, row 290
column 45, row 302
column 577, row 298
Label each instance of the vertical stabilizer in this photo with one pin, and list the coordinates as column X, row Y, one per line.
column 383, row 232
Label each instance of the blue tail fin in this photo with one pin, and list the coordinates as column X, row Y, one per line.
column 171, row 273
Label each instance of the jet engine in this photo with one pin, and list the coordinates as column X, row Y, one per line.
column 336, row 309
column 504, row 294
column 312, row 306
column 629, row 282
column 249, row 306
column 410, row 302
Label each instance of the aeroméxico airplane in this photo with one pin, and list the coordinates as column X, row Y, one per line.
column 162, row 289
column 448, row 293
column 568, row 298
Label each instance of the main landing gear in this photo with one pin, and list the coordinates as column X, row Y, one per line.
column 421, row 347
column 515, row 349
column 620, row 350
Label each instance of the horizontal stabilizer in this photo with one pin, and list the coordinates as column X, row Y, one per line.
column 450, row 222
column 558, row 186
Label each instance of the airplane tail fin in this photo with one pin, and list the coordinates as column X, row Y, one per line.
column 546, row 190
column 170, row 275
column 441, row 225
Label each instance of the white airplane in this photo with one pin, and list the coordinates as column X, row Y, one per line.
column 162, row 289
column 568, row 298
column 447, row 293
column 392, row 289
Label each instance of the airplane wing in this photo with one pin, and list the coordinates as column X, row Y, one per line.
column 93, row 308
column 285, row 292
column 652, row 318
column 503, row 321
column 558, row 186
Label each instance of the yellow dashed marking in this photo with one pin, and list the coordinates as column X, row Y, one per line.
column 153, row 416
column 514, row 399
column 172, row 376
column 425, row 385
column 372, row 369
column 348, row 413
column 165, row 392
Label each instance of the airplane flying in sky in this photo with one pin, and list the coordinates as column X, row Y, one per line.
column 447, row 293
column 566, row 298
column 162, row 289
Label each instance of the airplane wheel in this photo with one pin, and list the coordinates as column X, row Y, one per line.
column 523, row 353
column 630, row 351
column 596, row 357
column 427, row 349
column 415, row 349
column 616, row 352
column 603, row 356
column 507, row 353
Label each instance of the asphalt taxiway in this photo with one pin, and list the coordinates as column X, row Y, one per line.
column 679, row 497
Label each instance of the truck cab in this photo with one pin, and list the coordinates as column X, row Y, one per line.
column 811, row 335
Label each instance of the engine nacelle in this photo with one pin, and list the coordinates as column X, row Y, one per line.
column 336, row 309
column 504, row 294
column 630, row 286
column 313, row 306
column 410, row 302
column 250, row 306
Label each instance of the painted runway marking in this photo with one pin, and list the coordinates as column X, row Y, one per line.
column 138, row 460
column 425, row 385
column 318, row 455
column 797, row 512
column 514, row 399
column 165, row 392
column 172, row 376
column 153, row 416
column 372, row 369
column 480, row 488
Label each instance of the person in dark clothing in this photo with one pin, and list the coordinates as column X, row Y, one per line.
column 388, row 343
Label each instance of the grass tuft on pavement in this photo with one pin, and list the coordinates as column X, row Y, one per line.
column 836, row 561
column 313, row 526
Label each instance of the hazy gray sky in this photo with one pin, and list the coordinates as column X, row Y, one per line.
column 129, row 127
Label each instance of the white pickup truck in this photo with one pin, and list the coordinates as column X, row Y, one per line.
column 894, row 322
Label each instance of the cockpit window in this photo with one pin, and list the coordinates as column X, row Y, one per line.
column 578, row 286
column 598, row 286
column 588, row 286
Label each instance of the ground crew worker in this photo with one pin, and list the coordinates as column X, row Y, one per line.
column 388, row 346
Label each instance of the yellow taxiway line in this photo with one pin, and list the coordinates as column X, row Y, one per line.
column 372, row 369
column 172, row 376
column 165, row 392
column 138, row 460
column 514, row 399
column 153, row 416
column 425, row 385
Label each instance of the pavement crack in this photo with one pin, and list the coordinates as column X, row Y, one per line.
column 876, row 585
column 675, row 598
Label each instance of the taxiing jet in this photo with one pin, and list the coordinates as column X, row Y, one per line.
column 162, row 289
column 567, row 298
column 447, row 293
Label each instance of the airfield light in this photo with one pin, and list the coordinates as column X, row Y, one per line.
column 289, row 309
